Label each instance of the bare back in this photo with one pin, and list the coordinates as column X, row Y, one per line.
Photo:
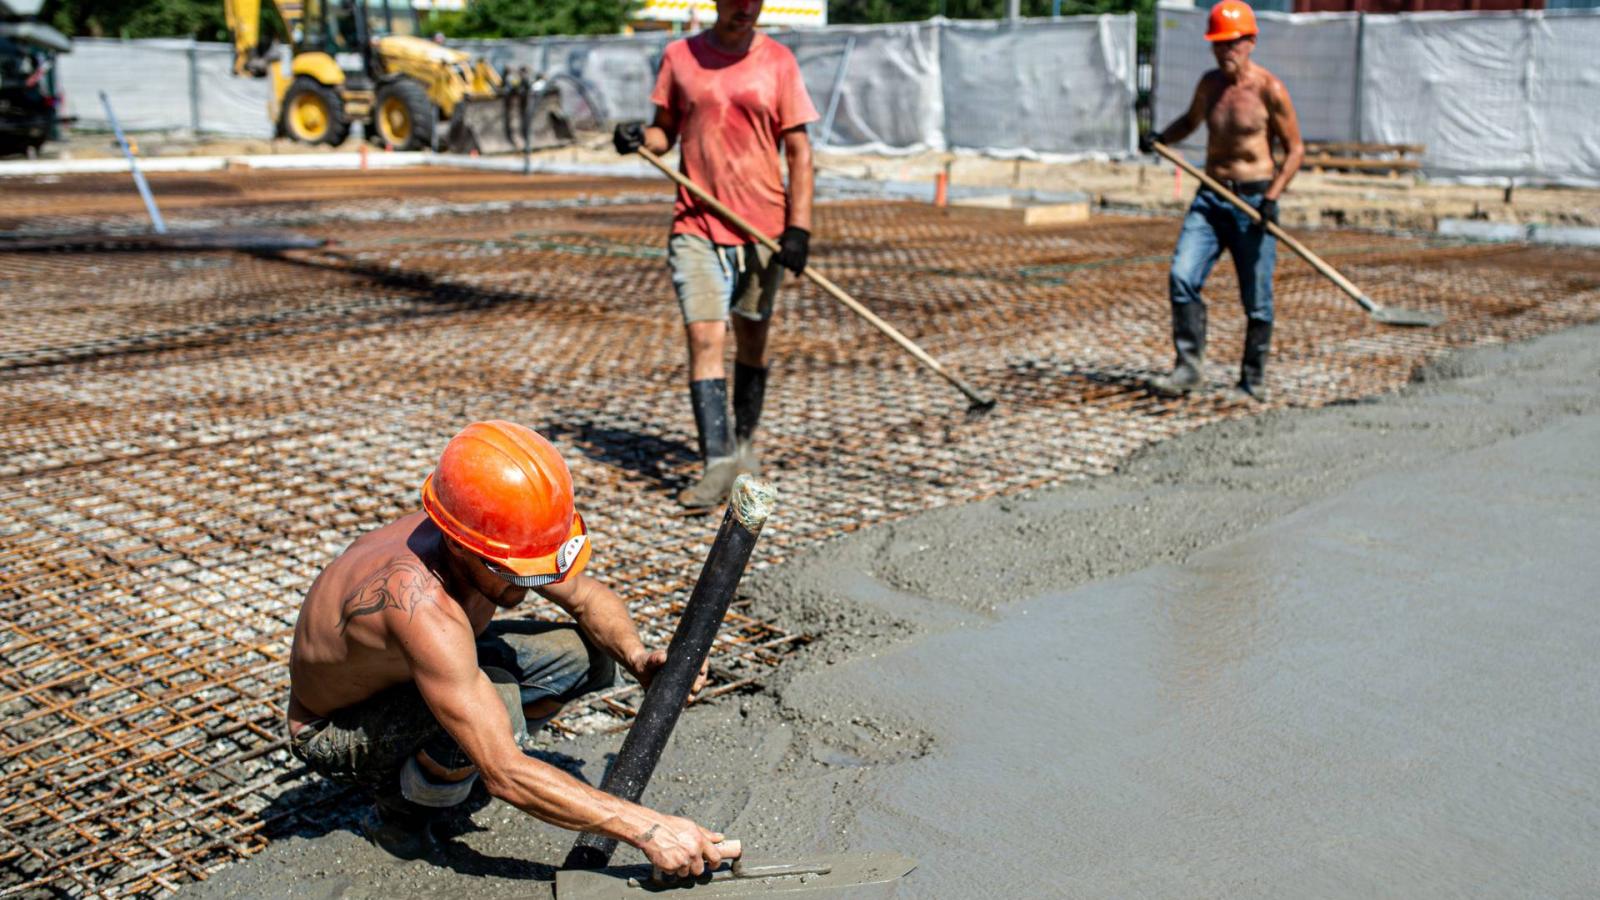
column 344, row 649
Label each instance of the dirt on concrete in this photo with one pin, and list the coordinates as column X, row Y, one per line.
column 793, row 767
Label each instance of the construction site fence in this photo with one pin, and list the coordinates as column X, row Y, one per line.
column 1038, row 86
column 1489, row 95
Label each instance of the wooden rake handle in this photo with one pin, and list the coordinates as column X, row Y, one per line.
column 838, row 293
column 1317, row 262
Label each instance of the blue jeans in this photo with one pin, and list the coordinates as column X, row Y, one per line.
column 1212, row 225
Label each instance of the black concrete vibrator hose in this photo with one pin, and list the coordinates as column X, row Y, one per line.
column 981, row 403
column 1388, row 315
column 748, row 508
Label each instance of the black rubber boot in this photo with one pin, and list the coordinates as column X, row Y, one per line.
column 1253, row 367
column 402, row 828
column 710, row 398
column 749, row 392
column 1189, row 339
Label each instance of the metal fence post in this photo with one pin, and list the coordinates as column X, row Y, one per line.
column 194, row 87
column 838, row 88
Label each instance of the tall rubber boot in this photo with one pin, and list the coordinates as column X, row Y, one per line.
column 1189, row 339
column 710, row 399
column 1253, row 367
column 749, row 392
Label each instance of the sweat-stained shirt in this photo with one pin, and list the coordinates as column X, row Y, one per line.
column 732, row 109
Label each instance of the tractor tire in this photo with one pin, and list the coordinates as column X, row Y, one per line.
column 314, row 114
column 403, row 116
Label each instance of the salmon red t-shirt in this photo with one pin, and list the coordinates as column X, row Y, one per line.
column 732, row 110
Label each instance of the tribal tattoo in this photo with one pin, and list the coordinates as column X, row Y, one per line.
column 401, row 585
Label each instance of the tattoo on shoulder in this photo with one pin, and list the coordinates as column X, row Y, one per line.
column 649, row 835
column 403, row 585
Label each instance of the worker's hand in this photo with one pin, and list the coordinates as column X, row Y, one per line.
column 794, row 245
column 680, row 847
column 1269, row 212
column 651, row 664
column 1147, row 142
column 628, row 137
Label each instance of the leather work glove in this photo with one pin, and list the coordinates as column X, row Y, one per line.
column 628, row 137
column 1269, row 213
column 794, row 245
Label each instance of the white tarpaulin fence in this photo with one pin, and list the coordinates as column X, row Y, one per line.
column 1488, row 94
column 1048, row 86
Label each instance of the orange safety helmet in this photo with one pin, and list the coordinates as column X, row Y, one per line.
column 503, row 492
column 1231, row 20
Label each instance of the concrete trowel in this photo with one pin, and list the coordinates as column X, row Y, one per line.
column 587, row 873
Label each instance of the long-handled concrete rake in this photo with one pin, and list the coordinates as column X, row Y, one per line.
column 1388, row 315
column 980, row 402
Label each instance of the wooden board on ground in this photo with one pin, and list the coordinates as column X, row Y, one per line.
column 1030, row 213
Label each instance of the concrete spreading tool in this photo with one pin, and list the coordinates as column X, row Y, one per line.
column 981, row 403
column 1388, row 315
column 587, row 873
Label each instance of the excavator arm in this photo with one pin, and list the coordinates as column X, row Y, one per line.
column 244, row 24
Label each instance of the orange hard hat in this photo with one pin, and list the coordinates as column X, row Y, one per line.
column 1231, row 20
column 503, row 492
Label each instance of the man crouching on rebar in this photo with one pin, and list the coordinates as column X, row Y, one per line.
column 1244, row 108
column 400, row 683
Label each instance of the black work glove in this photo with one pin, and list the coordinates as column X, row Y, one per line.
column 1269, row 213
column 1147, row 142
column 794, row 245
column 628, row 137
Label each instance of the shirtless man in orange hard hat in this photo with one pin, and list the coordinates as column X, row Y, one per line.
column 402, row 684
column 1244, row 108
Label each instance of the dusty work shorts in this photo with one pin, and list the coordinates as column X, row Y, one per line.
column 367, row 743
column 713, row 280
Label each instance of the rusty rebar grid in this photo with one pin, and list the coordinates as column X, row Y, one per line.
column 191, row 436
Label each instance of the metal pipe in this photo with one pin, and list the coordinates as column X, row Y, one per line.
column 748, row 509
column 133, row 164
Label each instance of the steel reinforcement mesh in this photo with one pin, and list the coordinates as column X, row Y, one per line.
column 190, row 436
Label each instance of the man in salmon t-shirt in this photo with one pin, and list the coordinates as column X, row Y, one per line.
column 731, row 97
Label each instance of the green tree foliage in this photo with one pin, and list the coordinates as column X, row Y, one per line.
column 531, row 18
column 202, row 19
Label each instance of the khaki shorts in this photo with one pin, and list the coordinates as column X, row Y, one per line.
column 713, row 280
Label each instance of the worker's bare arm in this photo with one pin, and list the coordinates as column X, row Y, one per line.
column 1284, row 126
column 604, row 617
column 802, row 177
column 1195, row 115
column 663, row 132
column 438, row 643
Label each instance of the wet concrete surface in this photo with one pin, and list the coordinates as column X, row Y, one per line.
column 1345, row 652
column 1393, row 691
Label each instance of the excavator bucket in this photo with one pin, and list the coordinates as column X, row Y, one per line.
column 512, row 122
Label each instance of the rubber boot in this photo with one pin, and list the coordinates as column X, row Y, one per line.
column 403, row 829
column 1253, row 366
column 710, row 399
column 1189, row 338
column 749, row 392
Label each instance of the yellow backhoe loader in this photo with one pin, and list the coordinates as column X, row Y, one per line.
column 354, row 61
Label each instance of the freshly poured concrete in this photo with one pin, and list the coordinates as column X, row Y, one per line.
column 1340, row 653
column 1394, row 691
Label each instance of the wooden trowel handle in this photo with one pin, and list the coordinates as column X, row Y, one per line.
column 731, row 850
